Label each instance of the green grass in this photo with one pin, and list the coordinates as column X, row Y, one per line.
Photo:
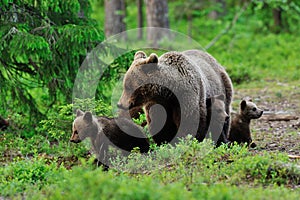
column 189, row 170
column 96, row 184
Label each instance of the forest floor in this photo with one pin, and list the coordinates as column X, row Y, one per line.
column 278, row 130
column 35, row 162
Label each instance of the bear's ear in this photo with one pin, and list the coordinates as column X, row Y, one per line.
column 140, row 54
column 88, row 117
column 150, row 63
column 243, row 105
column 79, row 113
column 153, row 58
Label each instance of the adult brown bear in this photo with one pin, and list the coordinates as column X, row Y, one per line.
column 173, row 90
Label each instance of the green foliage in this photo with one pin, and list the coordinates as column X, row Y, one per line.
column 259, row 63
column 192, row 163
column 43, row 44
column 112, row 75
column 58, row 126
column 141, row 119
column 22, row 175
column 241, row 74
column 19, row 146
column 195, row 170
column 189, row 170
column 97, row 184
column 290, row 17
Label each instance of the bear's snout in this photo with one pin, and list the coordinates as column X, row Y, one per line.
column 75, row 137
column 120, row 106
column 75, row 141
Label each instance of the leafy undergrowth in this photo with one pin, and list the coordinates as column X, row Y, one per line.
column 46, row 166
column 189, row 170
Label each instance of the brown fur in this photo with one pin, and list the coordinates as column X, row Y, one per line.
column 188, row 77
column 104, row 132
column 216, row 117
column 240, row 125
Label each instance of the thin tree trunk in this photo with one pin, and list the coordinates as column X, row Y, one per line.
column 157, row 16
column 190, row 25
column 140, row 18
column 216, row 14
column 114, row 17
column 277, row 17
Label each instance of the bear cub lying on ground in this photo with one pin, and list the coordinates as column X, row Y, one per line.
column 104, row 132
column 240, row 125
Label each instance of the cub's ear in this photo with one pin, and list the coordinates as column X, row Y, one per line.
column 150, row 63
column 88, row 117
column 140, row 54
column 243, row 104
column 247, row 98
column 79, row 113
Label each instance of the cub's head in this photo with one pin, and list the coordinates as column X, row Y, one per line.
column 84, row 125
column 249, row 110
column 135, row 79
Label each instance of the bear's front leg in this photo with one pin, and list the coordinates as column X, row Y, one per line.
column 224, row 133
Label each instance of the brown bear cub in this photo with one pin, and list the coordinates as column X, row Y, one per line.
column 3, row 124
column 217, row 118
column 240, row 125
column 103, row 132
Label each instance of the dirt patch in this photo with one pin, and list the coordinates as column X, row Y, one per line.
column 279, row 100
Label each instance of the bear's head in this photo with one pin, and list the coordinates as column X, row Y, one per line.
column 136, row 81
column 84, row 125
column 249, row 110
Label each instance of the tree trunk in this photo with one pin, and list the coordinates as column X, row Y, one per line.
column 157, row 16
column 190, row 25
column 277, row 19
column 216, row 14
column 140, row 18
column 114, row 17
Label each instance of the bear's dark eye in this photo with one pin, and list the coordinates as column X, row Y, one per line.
column 254, row 109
